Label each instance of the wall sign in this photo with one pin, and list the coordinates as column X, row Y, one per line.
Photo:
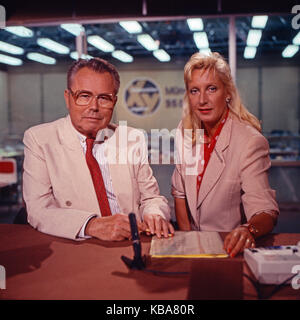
column 142, row 96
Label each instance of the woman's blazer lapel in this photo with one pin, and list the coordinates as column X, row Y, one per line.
column 216, row 164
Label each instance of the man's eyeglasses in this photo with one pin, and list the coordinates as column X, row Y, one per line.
column 84, row 98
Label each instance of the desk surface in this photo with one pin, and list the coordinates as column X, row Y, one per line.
column 40, row 266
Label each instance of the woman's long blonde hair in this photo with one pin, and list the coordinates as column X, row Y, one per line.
column 215, row 62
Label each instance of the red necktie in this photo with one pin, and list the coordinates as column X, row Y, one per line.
column 97, row 178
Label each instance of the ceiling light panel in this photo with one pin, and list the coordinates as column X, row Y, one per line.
column 41, row 58
column 9, row 48
column 10, row 60
column 20, row 31
column 253, row 38
column 206, row 51
column 201, row 40
column 100, row 43
column 122, row 56
column 147, row 42
column 259, row 22
column 195, row 24
column 290, row 51
column 249, row 52
column 53, row 45
column 161, row 55
column 73, row 28
column 131, row 26
column 74, row 55
column 296, row 39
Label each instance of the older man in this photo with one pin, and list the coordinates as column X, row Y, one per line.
column 74, row 184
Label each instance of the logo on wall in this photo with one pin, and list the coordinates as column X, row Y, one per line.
column 142, row 97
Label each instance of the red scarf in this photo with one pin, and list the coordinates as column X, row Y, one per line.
column 208, row 149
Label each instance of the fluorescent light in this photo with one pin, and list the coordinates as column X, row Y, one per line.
column 147, row 42
column 73, row 28
column 7, row 47
column 74, row 55
column 53, row 45
column 206, row 51
column 201, row 40
column 122, row 56
column 249, row 52
column 259, row 21
column 20, row 31
column 161, row 55
column 296, row 39
column 10, row 60
column 100, row 43
column 253, row 38
column 131, row 26
column 40, row 58
column 195, row 24
column 290, row 51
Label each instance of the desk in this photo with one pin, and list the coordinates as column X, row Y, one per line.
column 40, row 266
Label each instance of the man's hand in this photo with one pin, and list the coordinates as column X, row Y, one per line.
column 156, row 224
column 237, row 240
column 112, row 228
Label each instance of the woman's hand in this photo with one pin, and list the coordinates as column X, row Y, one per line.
column 237, row 240
column 156, row 224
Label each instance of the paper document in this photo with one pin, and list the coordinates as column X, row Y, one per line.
column 189, row 244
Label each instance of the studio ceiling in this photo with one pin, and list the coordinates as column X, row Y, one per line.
column 174, row 36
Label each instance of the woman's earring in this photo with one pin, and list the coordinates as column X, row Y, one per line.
column 227, row 100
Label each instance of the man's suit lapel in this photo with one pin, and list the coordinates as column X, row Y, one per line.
column 81, row 178
column 216, row 163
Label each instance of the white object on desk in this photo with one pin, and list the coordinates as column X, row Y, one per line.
column 273, row 265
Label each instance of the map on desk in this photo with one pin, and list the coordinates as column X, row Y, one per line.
column 189, row 244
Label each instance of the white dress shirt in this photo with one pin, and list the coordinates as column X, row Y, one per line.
column 98, row 153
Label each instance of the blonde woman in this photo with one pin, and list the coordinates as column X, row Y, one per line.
column 230, row 191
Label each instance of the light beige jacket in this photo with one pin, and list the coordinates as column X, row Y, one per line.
column 58, row 188
column 236, row 175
